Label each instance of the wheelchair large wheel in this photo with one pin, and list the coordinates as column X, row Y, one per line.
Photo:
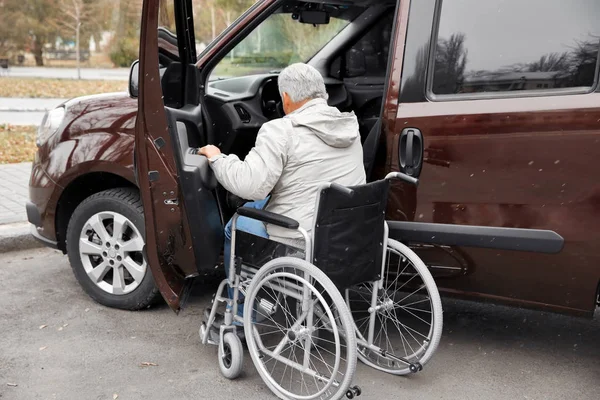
column 408, row 314
column 282, row 345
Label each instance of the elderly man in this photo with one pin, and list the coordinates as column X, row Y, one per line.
column 293, row 155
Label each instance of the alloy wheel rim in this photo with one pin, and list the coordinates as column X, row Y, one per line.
column 111, row 251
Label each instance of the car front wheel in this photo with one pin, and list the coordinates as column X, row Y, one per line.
column 105, row 243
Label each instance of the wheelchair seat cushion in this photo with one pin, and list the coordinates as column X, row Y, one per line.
column 256, row 251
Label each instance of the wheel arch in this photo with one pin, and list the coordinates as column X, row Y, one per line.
column 77, row 191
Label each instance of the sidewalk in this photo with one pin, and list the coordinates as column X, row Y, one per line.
column 25, row 111
column 18, row 104
column 14, row 192
column 120, row 74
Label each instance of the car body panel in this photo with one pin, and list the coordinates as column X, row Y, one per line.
column 169, row 246
column 96, row 136
column 495, row 163
column 525, row 162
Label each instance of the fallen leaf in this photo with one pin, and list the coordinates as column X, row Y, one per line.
column 12, row 384
column 60, row 328
column 65, row 325
column 43, row 326
column 148, row 364
column 115, row 396
column 43, row 348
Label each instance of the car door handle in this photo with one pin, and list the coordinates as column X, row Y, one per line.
column 410, row 152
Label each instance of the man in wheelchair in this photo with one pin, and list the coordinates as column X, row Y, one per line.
column 355, row 293
column 314, row 143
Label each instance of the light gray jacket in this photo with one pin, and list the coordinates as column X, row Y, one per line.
column 291, row 158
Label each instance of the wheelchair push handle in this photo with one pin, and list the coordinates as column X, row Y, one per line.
column 402, row 177
column 342, row 189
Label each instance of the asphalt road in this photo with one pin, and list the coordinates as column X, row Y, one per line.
column 86, row 351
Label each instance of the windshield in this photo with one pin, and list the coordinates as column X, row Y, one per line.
column 280, row 40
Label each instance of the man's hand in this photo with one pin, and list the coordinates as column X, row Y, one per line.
column 209, row 151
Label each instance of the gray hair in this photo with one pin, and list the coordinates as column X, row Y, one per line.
column 302, row 82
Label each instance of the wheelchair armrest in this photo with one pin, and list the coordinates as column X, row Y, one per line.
column 268, row 217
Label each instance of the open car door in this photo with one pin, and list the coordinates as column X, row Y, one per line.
column 183, row 223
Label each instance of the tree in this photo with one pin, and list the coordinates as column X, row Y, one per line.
column 583, row 62
column 126, row 42
column 550, row 63
column 26, row 23
column 74, row 14
column 450, row 64
column 231, row 8
column 9, row 36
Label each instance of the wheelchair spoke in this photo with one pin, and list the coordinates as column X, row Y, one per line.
column 398, row 324
column 407, row 311
column 416, row 316
column 310, row 341
column 417, row 302
column 407, row 296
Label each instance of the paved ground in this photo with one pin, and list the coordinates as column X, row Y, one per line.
column 21, row 118
column 87, row 351
column 25, row 111
column 121, row 74
column 14, row 192
column 28, row 104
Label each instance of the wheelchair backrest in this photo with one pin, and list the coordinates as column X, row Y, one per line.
column 348, row 233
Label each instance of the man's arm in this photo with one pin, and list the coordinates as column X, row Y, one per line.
column 255, row 177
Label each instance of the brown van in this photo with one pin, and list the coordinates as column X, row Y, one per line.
column 494, row 108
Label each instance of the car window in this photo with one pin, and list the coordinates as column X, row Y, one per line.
column 277, row 42
column 512, row 45
column 369, row 56
column 209, row 21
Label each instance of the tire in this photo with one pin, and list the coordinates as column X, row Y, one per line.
column 331, row 359
column 412, row 322
column 112, row 271
column 231, row 356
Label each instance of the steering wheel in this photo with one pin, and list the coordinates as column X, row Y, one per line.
column 272, row 105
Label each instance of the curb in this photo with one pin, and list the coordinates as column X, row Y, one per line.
column 17, row 236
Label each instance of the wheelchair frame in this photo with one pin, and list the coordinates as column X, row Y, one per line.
column 237, row 271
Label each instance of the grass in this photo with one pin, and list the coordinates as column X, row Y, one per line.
column 58, row 88
column 96, row 60
column 17, row 143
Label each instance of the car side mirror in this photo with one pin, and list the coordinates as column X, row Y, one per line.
column 356, row 63
column 134, row 79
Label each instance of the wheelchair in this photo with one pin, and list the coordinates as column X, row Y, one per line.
column 309, row 314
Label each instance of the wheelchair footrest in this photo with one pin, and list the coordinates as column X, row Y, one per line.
column 205, row 333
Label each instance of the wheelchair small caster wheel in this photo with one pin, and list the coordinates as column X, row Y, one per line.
column 231, row 356
column 353, row 392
